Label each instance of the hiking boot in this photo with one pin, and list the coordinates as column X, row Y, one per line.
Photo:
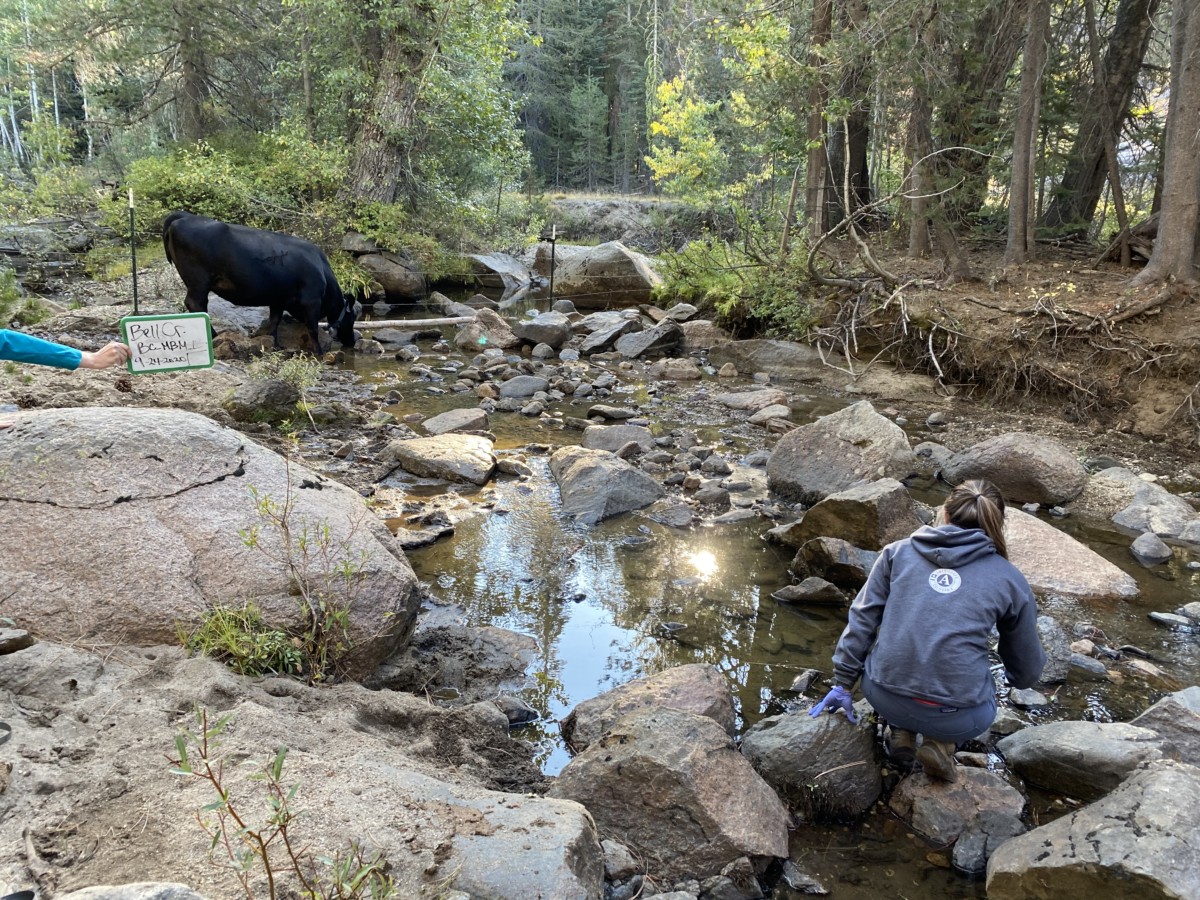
column 901, row 747
column 937, row 759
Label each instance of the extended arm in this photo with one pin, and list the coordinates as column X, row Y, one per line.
column 1020, row 646
column 865, row 615
column 28, row 349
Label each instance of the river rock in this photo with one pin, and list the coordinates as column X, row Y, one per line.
column 825, row 768
column 523, row 386
column 837, row 451
column 499, row 270
column 671, row 513
column 462, row 458
column 675, row 370
column 702, row 334
column 1143, row 837
column 784, row 359
column 1150, row 550
column 603, row 338
column 447, row 307
column 981, row 838
column 700, row 805
column 550, row 328
column 1027, row 468
column 606, row 276
column 155, row 502
column 595, row 484
column 812, row 591
column 753, row 401
column 869, row 516
column 467, row 419
column 262, row 400
column 835, row 560
column 941, row 811
column 613, row 437
column 663, row 337
column 400, row 278
column 1057, row 645
column 697, row 688
column 487, row 329
column 1055, row 563
column 1081, row 759
column 1140, row 505
column 448, row 831
column 1176, row 719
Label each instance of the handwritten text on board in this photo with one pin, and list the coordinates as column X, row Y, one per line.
column 163, row 343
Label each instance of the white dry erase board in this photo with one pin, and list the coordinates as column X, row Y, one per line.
column 167, row 343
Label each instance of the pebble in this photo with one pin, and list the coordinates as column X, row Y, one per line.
column 1027, row 698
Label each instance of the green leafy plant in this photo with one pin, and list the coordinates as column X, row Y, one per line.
column 246, row 842
column 322, row 573
column 301, row 371
column 238, row 637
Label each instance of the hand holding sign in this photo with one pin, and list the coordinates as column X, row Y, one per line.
column 167, row 343
column 109, row 355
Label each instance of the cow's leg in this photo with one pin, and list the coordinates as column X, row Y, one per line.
column 314, row 329
column 273, row 323
column 196, row 301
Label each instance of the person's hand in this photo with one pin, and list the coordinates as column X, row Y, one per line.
column 110, row 354
column 838, row 698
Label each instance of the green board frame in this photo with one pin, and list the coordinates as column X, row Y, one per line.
column 168, row 343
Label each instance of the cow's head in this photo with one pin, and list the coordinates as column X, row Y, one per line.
column 342, row 323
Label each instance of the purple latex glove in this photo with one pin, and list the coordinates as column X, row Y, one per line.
column 838, row 698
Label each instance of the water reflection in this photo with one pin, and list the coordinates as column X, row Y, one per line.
column 630, row 598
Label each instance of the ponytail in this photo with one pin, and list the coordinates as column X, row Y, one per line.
column 978, row 504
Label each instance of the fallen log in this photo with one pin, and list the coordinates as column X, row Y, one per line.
column 413, row 324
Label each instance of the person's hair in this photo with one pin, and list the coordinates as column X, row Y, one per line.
column 978, row 504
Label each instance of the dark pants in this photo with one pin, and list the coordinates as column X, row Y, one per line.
column 942, row 723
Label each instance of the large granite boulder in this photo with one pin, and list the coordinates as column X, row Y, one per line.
column 461, row 458
column 1176, row 719
column 941, row 811
column 1141, row 841
column 400, row 279
column 869, row 516
column 784, row 359
column 155, row 504
column 550, row 328
column 1027, row 468
column 698, row 688
column 595, row 484
column 853, row 445
column 606, row 276
column 824, row 768
column 415, row 783
column 670, row 785
column 1056, row 564
column 1139, row 505
column 1082, row 759
column 487, row 329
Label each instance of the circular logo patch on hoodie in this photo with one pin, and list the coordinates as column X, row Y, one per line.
column 944, row 581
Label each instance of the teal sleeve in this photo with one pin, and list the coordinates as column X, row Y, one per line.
column 28, row 349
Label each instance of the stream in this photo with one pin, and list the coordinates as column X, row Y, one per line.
column 629, row 598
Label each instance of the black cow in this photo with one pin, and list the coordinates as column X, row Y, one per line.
column 250, row 267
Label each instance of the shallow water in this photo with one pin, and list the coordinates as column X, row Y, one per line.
column 629, row 598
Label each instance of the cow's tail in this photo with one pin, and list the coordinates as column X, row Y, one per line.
column 166, row 232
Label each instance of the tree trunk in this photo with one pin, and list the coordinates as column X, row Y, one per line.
column 1102, row 113
column 376, row 171
column 849, row 175
column 970, row 106
column 1174, row 256
column 195, row 92
column 818, row 161
column 919, row 184
column 1020, row 246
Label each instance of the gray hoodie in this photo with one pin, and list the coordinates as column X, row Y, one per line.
column 920, row 625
